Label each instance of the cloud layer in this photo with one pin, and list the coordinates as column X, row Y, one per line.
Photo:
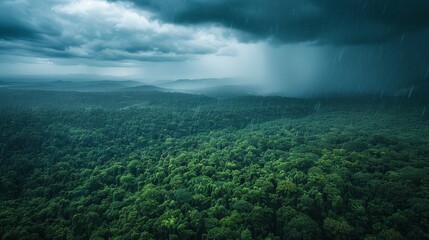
column 294, row 46
column 96, row 29
column 322, row 21
column 175, row 30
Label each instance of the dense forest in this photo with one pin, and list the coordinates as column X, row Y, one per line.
column 153, row 165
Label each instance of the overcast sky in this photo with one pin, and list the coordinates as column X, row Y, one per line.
column 287, row 45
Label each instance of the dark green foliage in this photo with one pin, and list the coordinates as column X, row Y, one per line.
column 176, row 166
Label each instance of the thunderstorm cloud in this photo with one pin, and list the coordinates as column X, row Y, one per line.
column 322, row 21
column 288, row 45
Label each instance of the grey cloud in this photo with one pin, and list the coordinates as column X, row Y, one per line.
column 12, row 30
column 12, row 25
column 60, row 29
column 386, row 41
column 323, row 21
column 21, row 20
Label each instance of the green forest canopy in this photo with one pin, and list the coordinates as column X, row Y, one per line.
column 176, row 166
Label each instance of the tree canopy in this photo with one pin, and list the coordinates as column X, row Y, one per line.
column 177, row 166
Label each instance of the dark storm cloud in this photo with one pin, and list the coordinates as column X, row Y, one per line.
column 323, row 21
column 12, row 23
column 367, row 45
column 10, row 30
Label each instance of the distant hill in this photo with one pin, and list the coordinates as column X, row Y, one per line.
column 213, row 87
column 223, row 87
column 4, row 84
column 225, row 91
column 143, row 88
column 188, row 84
column 91, row 86
column 62, row 77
